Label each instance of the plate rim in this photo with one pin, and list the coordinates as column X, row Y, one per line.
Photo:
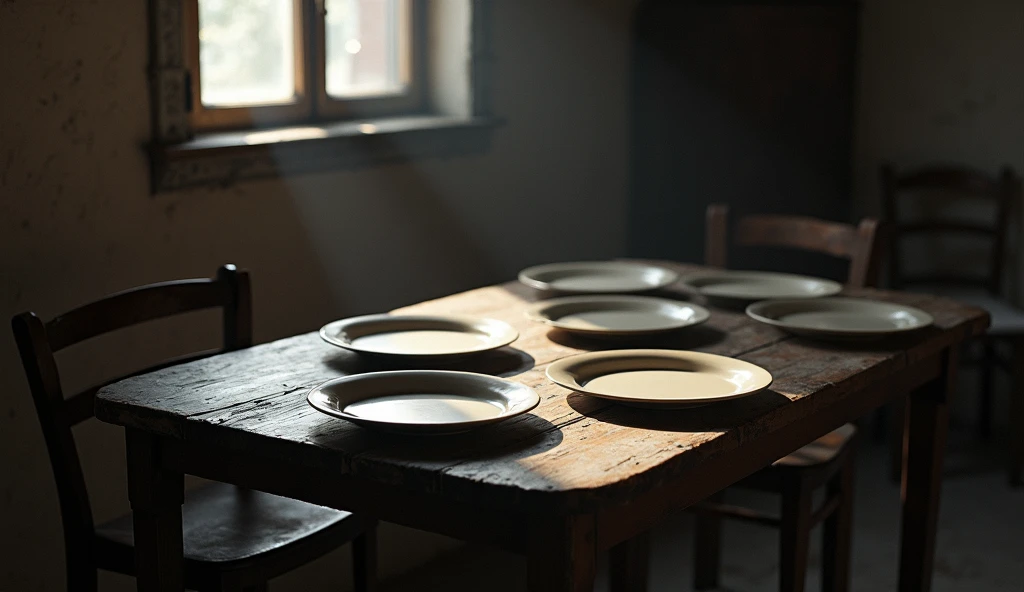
column 687, row 280
column 532, row 313
column 513, row 333
column 668, row 353
column 438, row 428
column 524, row 277
column 753, row 312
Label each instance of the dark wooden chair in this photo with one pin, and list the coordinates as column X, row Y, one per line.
column 984, row 289
column 860, row 245
column 234, row 539
column 828, row 461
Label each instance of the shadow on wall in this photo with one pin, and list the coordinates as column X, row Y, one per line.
column 745, row 105
column 398, row 233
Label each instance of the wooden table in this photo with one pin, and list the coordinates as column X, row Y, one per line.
column 575, row 477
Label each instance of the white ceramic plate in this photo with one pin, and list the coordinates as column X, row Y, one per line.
column 421, row 337
column 744, row 287
column 659, row 378
column 840, row 318
column 612, row 315
column 422, row 401
column 597, row 277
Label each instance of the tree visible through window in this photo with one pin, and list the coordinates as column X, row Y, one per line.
column 268, row 62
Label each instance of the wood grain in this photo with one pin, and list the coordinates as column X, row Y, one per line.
column 571, row 452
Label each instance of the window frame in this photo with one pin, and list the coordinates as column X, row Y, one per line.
column 312, row 103
column 411, row 67
column 182, row 156
column 221, row 118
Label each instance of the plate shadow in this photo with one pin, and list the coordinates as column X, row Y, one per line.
column 683, row 339
column 713, row 417
column 503, row 362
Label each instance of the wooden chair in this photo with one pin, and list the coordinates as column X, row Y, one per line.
column 860, row 245
column 828, row 461
column 234, row 539
column 984, row 290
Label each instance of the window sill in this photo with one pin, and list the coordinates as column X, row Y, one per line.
column 224, row 158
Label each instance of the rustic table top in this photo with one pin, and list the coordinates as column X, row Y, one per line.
column 570, row 446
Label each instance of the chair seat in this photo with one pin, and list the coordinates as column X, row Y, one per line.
column 1007, row 319
column 821, row 451
column 227, row 526
column 814, row 463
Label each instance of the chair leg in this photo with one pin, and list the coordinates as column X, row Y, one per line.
column 1015, row 431
column 364, row 561
column 628, row 564
column 707, row 545
column 897, row 420
column 986, row 368
column 81, row 577
column 795, row 535
column 837, row 531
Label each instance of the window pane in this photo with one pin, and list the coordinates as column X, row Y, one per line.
column 364, row 44
column 246, row 52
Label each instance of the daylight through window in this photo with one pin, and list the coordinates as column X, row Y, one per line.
column 268, row 62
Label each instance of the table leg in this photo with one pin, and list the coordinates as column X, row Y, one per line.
column 628, row 564
column 562, row 554
column 1015, row 429
column 927, row 421
column 156, row 494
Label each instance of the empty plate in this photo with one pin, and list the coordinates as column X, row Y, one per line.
column 597, row 277
column 839, row 318
column 427, row 337
column 744, row 287
column 422, row 401
column 659, row 378
column 612, row 316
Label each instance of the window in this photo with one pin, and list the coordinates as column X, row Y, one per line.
column 245, row 89
column 258, row 63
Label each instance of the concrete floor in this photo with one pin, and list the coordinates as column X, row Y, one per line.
column 980, row 541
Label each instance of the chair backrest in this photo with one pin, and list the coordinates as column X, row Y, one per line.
column 861, row 245
column 38, row 341
column 1002, row 192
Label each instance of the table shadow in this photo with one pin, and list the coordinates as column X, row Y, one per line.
column 684, row 339
column 503, row 362
column 516, row 438
column 898, row 342
column 714, row 417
